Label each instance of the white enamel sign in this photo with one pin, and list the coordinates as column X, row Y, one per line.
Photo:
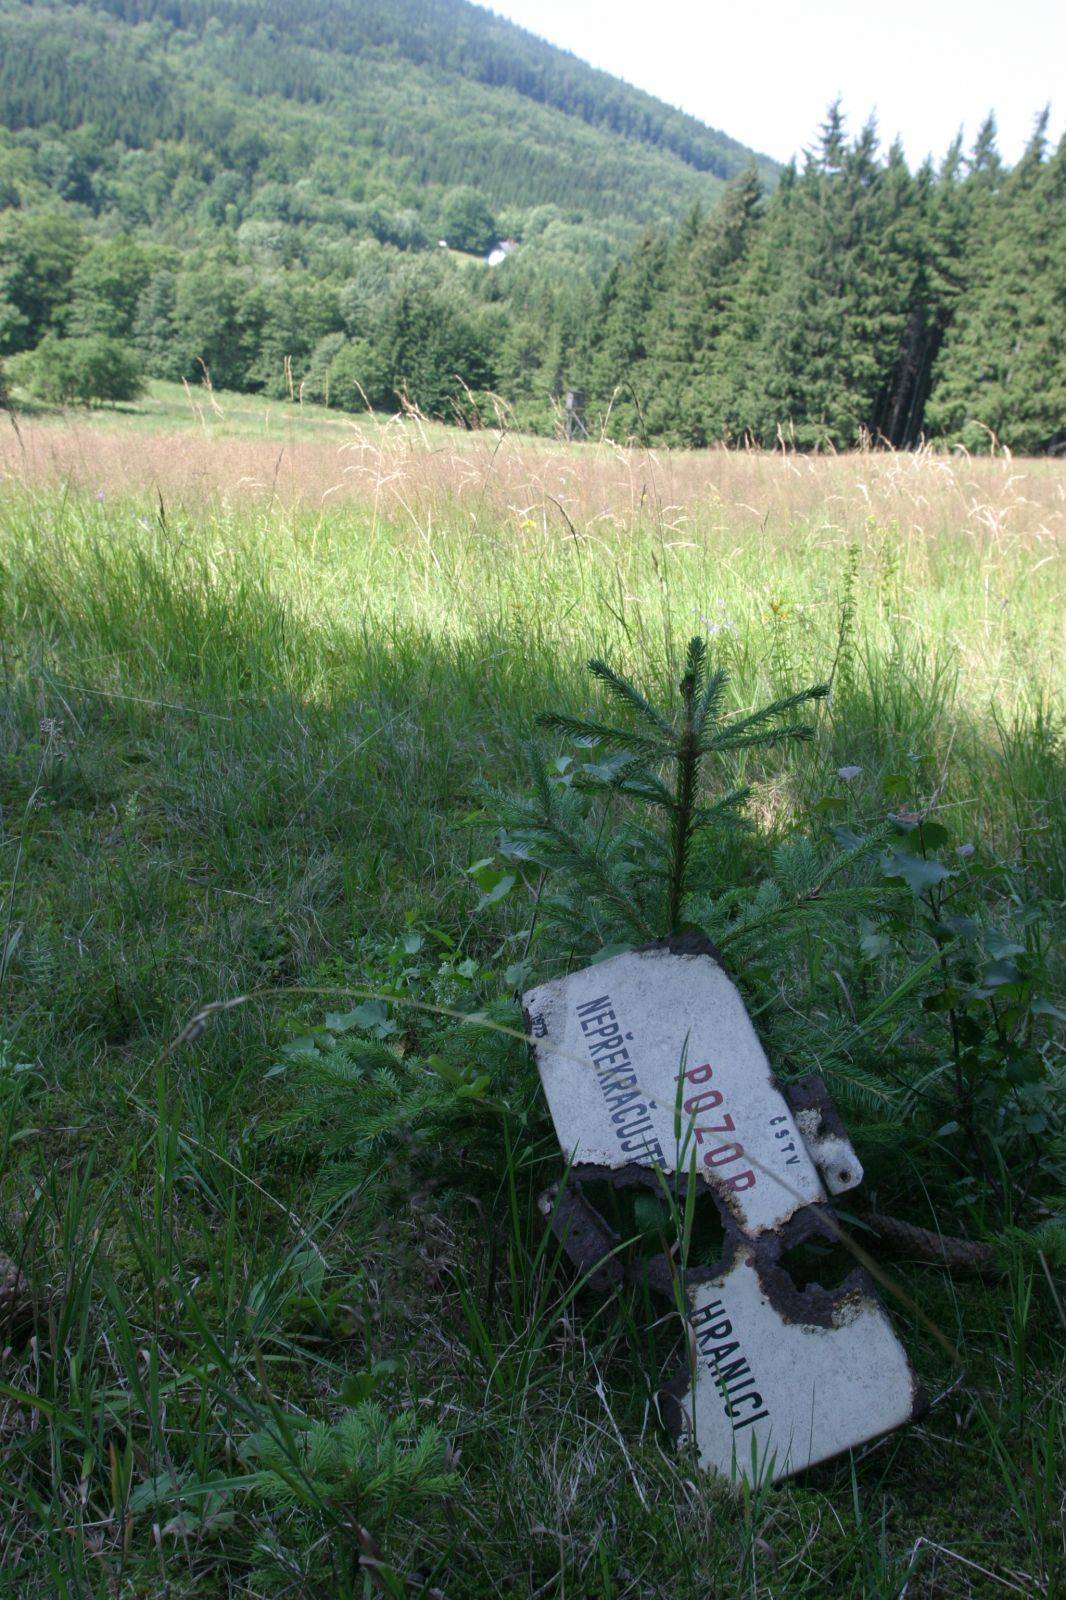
column 770, row 1396
column 650, row 1063
column 650, row 1058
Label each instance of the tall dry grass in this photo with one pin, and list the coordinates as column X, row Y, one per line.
column 406, row 470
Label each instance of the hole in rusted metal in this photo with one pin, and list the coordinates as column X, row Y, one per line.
column 821, row 1262
column 647, row 1221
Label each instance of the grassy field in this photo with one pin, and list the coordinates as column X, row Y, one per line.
column 282, row 1299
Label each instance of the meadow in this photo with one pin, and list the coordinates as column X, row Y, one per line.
column 280, row 1316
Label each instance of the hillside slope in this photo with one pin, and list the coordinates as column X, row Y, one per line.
column 360, row 95
column 255, row 193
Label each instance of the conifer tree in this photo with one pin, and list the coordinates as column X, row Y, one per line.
column 812, row 366
column 708, row 268
column 634, row 880
column 1002, row 373
column 621, row 338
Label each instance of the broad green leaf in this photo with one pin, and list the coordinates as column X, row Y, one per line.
column 302, row 1049
column 371, row 1017
column 504, row 883
column 359, row 1386
column 1001, row 945
column 651, row 1214
column 475, row 1090
column 916, row 872
column 998, row 973
column 874, row 944
column 608, row 951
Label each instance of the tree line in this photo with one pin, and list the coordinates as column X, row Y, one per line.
column 855, row 301
column 860, row 301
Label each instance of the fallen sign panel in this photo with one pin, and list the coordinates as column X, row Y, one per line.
column 653, row 1071
column 766, row 1396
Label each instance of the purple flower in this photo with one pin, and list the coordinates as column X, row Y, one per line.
column 100, row 494
column 717, row 625
column 964, row 850
column 848, row 773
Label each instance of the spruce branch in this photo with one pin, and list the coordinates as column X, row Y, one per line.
column 601, row 733
column 621, row 777
column 630, row 696
column 801, row 732
column 723, row 810
column 695, row 667
column 709, row 703
column 541, row 782
column 777, row 708
column 567, row 846
column 630, row 878
column 649, row 788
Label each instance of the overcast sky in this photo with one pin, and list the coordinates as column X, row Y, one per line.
column 765, row 71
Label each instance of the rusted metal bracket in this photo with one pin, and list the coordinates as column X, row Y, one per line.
column 824, row 1134
column 939, row 1249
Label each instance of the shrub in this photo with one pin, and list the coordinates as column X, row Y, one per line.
column 357, row 376
column 467, row 222
column 78, row 371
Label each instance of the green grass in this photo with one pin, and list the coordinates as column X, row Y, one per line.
column 177, row 408
column 239, row 747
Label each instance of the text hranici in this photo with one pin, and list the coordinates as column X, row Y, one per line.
column 733, row 1376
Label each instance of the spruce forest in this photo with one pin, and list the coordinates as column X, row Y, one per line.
column 298, row 201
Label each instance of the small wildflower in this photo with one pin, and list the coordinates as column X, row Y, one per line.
column 964, row 850
column 719, row 624
column 848, row 773
column 100, row 495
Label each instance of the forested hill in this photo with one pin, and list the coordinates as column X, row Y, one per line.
column 257, row 192
column 419, row 92
column 450, row 36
